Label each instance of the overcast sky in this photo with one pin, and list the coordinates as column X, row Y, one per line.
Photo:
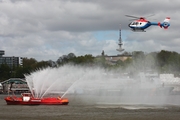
column 48, row 29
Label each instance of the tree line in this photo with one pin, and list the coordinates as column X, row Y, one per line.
column 163, row 62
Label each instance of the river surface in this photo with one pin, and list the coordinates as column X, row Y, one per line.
column 79, row 109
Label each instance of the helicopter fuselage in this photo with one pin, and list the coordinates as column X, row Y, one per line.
column 139, row 25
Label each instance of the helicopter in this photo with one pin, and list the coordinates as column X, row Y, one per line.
column 140, row 23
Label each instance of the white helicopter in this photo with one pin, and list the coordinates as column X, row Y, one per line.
column 140, row 23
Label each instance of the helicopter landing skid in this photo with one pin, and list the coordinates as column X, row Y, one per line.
column 138, row 30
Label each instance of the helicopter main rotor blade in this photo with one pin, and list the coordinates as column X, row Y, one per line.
column 150, row 15
column 132, row 16
column 133, row 19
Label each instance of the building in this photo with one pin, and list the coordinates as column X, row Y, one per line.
column 11, row 61
column 113, row 59
column 14, row 84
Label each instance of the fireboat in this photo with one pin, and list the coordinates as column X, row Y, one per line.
column 28, row 99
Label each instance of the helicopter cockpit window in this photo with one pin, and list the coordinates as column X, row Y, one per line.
column 134, row 23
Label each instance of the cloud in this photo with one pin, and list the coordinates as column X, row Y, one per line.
column 48, row 29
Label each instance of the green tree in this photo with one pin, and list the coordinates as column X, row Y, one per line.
column 150, row 61
column 62, row 60
column 168, row 61
column 42, row 64
column 20, row 72
column 5, row 72
column 29, row 65
column 139, row 60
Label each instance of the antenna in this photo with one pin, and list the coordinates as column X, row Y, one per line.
column 120, row 41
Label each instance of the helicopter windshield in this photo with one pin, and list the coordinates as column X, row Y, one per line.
column 134, row 23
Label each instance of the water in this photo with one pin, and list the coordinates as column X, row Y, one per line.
column 94, row 94
column 78, row 109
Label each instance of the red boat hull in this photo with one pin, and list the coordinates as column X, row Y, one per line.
column 36, row 101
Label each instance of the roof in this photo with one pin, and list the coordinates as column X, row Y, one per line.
column 14, row 80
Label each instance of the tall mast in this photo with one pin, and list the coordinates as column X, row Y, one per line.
column 120, row 42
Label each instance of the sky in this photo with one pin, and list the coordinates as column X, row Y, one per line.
column 49, row 29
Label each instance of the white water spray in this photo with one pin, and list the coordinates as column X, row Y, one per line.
column 95, row 83
column 57, row 80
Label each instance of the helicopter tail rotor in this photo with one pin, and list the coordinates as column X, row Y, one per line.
column 165, row 24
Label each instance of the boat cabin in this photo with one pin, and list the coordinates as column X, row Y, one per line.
column 26, row 96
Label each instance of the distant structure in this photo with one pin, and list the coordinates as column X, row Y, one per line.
column 113, row 59
column 11, row 61
column 1, row 53
column 14, row 84
column 120, row 42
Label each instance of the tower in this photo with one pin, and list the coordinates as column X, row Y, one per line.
column 1, row 53
column 120, row 42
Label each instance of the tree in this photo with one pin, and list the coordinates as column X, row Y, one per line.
column 62, row 60
column 42, row 64
column 71, row 55
column 168, row 61
column 19, row 72
column 29, row 65
column 5, row 72
column 150, row 61
column 139, row 60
